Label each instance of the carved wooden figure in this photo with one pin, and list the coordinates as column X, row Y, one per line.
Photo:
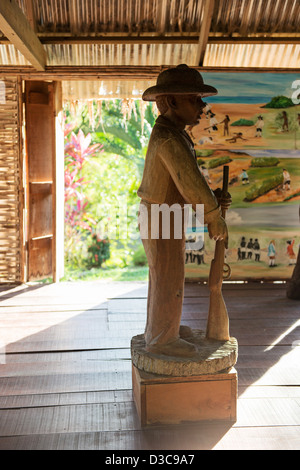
column 171, row 176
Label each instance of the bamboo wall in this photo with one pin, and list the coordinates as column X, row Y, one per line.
column 10, row 174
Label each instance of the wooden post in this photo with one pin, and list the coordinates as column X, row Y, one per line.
column 40, row 140
column 21, row 182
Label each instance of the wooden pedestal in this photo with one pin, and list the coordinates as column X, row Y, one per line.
column 178, row 400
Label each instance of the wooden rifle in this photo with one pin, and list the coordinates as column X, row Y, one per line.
column 218, row 321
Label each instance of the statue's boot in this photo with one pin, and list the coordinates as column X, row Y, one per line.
column 178, row 347
column 185, row 332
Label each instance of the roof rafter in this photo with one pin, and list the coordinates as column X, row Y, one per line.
column 208, row 8
column 17, row 29
column 119, row 72
column 30, row 14
column 167, row 39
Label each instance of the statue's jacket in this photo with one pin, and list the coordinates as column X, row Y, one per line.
column 171, row 173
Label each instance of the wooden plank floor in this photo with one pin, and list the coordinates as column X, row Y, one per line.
column 65, row 377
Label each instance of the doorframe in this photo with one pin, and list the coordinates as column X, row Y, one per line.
column 57, row 137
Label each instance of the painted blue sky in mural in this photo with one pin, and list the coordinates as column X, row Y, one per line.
column 249, row 88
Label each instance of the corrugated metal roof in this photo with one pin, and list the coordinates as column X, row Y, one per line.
column 253, row 55
column 163, row 16
column 77, row 18
column 234, row 25
column 121, row 54
column 217, row 55
column 104, row 89
column 256, row 16
column 129, row 16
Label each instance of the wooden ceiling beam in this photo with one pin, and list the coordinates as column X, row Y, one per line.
column 109, row 39
column 74, row 16
column 163, row 5
column 119, row 72
column 30, row 14
column 17, row 29
column 254, row 40
column 174, row 39
column 208, row 9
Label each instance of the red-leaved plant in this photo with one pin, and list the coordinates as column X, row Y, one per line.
column 77, row 220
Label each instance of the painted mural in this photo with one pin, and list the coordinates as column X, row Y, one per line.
column 256, row 132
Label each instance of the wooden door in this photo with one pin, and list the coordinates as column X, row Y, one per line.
column 41, row 165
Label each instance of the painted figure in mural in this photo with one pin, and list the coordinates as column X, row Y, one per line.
column 286, row 179
column 205, row 140
column 237, row 136
column 290, row 251
column 285, row 124
column 206, row 109
column 172, row 177
column 259, row 126
column 256, row 248
column 213, row 123
column 205, row 173
column 250, row 249
column 226, row 125
column 271, row 253
column 243, row 248
column 245, row 177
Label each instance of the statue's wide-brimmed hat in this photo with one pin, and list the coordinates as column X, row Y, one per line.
column 179, row 80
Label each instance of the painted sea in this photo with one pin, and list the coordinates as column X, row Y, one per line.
column 249, row 88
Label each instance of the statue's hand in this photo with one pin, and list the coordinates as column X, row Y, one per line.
column 224, row 200
column 217, row 230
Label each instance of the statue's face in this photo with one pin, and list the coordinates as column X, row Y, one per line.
column 189, row 108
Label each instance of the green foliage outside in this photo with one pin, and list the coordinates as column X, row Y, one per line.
column 264, row 161
column 139, row 257
column 79, row 222
column 103, row 237
column 99, row 251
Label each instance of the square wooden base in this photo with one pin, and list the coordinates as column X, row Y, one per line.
column 178, row 400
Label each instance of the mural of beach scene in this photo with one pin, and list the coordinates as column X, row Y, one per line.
column 263, row 220
column 251, row 110
column 253, row 126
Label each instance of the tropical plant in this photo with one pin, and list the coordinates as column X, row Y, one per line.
column 78, row 222
column 98, row 251
column 139, row 257
column 126, row 137
column 107, row 183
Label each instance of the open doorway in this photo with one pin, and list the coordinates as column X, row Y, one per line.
column 83, row 163
column 105, row 143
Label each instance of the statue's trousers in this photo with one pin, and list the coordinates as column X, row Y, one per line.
column 166, row 259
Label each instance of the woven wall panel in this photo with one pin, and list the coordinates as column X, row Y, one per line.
column 10, row 270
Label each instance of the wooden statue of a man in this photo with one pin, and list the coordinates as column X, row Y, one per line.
column 172, row 176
